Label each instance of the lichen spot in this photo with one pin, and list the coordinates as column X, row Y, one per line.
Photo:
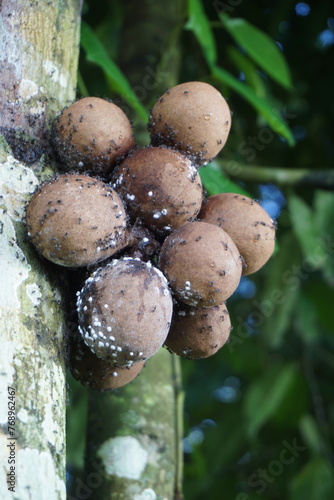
column 123, row 456
column 147, row 494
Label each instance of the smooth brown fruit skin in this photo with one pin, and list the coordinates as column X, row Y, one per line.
column 248, row 224
column 201, row 263
column 161, row 187
column 198, row 333
column 97, row 373
column 91, row 135
column 192, row 117
column 124, row 311
column 76, row 220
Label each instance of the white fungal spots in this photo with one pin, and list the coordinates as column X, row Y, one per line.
column 123, row 456
column 150, row 193
column 130, row 197
column 115, row 374
column 157, row 215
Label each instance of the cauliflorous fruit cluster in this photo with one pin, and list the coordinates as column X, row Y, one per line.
column 160, row 261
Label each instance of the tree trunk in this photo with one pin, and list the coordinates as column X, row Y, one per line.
column 134, row 435
column 38, row 60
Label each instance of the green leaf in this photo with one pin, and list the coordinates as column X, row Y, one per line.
column 304, row 226
column 263, row 106
column 306, row 320
column 96, row 53
column 199, row 24
column 249, row 70
column 260, row 47
column 265, row 395
column 279, row 292
column 324, row 210
column 311, row 434
column 215, row 182
column 314, row 482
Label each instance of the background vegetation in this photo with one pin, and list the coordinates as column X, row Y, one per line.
column 259, row 415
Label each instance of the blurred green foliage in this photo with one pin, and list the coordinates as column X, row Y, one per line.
column 259, row 415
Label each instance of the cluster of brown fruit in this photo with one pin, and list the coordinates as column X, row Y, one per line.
column 161, row 262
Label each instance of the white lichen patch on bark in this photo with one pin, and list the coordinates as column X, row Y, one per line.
column 17, row 182
column 7, row 372
column 55, row 74
column 23, row 415
column 147, row 494
column 34, row 293
column 123, row 456
column 27, row 89
column 51, row 410
column 14, row 268
column 35, row 472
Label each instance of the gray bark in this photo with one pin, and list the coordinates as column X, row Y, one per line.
column 39, row 43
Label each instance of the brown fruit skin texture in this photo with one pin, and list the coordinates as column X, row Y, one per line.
column 201, row 263
column 161, row 187
column 76, row 220
column 125, row 311
column 198, row 333
column 192, row 117
column 97, row 373
column 248, row 224
column 91, row 135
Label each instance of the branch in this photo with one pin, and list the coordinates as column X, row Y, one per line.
column 323, row 179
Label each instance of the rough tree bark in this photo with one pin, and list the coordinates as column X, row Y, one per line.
column 39, row 42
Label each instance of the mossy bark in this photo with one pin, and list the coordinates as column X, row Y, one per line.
column 133, row 436
column 39, row 43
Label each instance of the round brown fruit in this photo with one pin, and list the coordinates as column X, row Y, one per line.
column 198, row 333
column 124, row 311
column 192, row 117
column 76, row 220
column 161, row 187
column 97, row 373
column 91, row 135
column 201, row 263
column 248, row 224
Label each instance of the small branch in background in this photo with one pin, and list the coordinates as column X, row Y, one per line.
column 323, row 179
column 179, row 403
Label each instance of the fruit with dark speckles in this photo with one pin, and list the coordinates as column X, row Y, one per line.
column 201, row 263
column 124, row 311
column 97, row 373
column 160, row 187
column 76, row 220
column 91, row 135
column 248, row 224
column 198, row 333
column 192, row 117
